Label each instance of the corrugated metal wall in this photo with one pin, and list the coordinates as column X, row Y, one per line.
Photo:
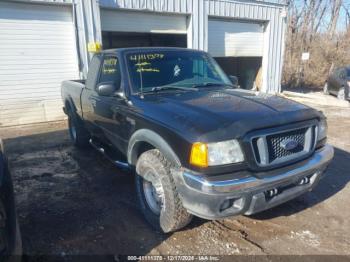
column 274, row 33
column 43, row 1
column 199, row 12
column 128, row 21
column 238, row 39
column 88, row 29
column 171, row 6
column 37, row 52
column 86, row 17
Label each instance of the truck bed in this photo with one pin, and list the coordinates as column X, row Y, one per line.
column 71, row 91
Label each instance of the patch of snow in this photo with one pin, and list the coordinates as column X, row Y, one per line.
column 307, row 237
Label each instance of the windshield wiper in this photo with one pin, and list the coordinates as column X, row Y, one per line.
column 161, row 88
column 210, row 84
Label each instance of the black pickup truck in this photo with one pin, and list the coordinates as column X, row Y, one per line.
column 197, row 144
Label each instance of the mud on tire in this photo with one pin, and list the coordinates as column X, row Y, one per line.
column 153, row 166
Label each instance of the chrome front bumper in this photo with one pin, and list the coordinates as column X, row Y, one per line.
column 204, row 197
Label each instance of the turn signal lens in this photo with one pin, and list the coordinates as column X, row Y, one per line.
column 199, row 155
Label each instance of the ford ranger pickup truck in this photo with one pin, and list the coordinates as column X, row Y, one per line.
column 197, row 144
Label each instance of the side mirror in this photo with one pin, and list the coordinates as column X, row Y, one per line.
column 234, row 81
column 107, row 89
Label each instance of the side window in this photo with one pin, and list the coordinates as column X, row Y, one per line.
column 205, row 70
column 110, row 72
column 94, row 67
column 199, row 68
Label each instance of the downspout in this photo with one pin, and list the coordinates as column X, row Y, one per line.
column 76, row 32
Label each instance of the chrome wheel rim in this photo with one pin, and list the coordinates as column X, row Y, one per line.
column 153, row 192
column 73, row 131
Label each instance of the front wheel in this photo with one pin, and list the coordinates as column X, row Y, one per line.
column 157, row 195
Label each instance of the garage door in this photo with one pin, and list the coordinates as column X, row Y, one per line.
column 37, row 52
column 142, row 22
column 237, row 39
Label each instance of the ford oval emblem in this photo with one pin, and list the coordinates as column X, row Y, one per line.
column 289, row 144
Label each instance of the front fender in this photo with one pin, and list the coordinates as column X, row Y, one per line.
column 152, row 138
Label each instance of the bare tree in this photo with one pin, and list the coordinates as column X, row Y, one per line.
column 313, row 26
column 335, row 12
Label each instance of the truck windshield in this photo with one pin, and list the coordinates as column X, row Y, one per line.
column 150, row 71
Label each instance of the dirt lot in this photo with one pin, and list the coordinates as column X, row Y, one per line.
column 76, row 202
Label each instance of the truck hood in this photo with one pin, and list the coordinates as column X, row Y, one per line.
column 220, row 114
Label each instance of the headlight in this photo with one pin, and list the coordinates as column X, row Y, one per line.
column 322, row 129
column 215, row 154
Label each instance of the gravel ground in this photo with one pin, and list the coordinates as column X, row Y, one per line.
column 75, row 202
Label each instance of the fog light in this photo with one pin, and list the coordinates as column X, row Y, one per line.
column 272, row 192
column 235, row 203
column 304, row 181
column 226, row 204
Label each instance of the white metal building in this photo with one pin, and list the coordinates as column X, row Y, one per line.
column 43, row 42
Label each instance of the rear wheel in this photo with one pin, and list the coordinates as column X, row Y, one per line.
column 341, row 93
column 157, row 195
column 77, row 132
column 325, row 89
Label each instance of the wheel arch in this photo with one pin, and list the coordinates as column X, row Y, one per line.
column 145, row 139
column 69, row 106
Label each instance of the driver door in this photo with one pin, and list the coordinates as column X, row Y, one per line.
column 109, row 113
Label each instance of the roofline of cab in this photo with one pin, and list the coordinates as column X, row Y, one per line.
column 147, row 49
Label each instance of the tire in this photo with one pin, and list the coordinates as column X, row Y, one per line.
column 77, row 132
column 325, row 89
column 153, row 169
column 341, row 94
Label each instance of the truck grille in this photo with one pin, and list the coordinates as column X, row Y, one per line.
column 276, row 148
column 274, row 144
